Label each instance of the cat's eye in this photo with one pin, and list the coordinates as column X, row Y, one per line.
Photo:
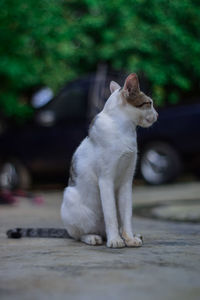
column 146, row 104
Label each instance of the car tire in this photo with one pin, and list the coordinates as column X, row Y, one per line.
column 159, row 163
column 13, row 175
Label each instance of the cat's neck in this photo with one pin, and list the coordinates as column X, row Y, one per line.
column 124, row 123
column 121, row 120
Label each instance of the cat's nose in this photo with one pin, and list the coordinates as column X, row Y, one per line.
column 155, row 117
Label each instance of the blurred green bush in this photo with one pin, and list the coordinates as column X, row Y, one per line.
column 51, row 41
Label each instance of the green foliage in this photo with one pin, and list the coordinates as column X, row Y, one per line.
column 51, row 41
column 34, row 50
column 157, row 38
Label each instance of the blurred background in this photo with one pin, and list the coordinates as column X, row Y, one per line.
column 56, row 61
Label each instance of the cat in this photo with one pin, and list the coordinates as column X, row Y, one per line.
column 97, row 203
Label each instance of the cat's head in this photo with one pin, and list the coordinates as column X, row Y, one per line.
column 134, row 102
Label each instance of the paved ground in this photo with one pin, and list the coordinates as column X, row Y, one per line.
column 166, row 267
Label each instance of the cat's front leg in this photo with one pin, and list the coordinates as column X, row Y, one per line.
column 110, row 213
column 125, row 212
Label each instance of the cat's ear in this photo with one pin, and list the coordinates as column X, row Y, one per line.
column 131, row 86
column 114, row 86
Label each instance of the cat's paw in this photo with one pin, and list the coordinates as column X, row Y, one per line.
column 116, row 243
column 92, row 239
column 133, row 242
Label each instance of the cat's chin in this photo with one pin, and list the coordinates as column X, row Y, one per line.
column 145, row 123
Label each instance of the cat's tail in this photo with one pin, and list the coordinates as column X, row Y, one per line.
column 18, row 233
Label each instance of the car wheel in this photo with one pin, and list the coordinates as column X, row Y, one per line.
column 160, row 163
column 14, row 175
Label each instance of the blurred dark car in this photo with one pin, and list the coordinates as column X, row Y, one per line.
column 43, row 147
column 171, row 145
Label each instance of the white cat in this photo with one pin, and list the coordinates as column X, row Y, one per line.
column 97, row 203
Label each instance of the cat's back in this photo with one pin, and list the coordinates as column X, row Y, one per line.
column 92, row 149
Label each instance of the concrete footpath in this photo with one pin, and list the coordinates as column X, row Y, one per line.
column 166, row 267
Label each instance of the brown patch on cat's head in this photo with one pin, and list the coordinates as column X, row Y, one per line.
column 132, row 94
